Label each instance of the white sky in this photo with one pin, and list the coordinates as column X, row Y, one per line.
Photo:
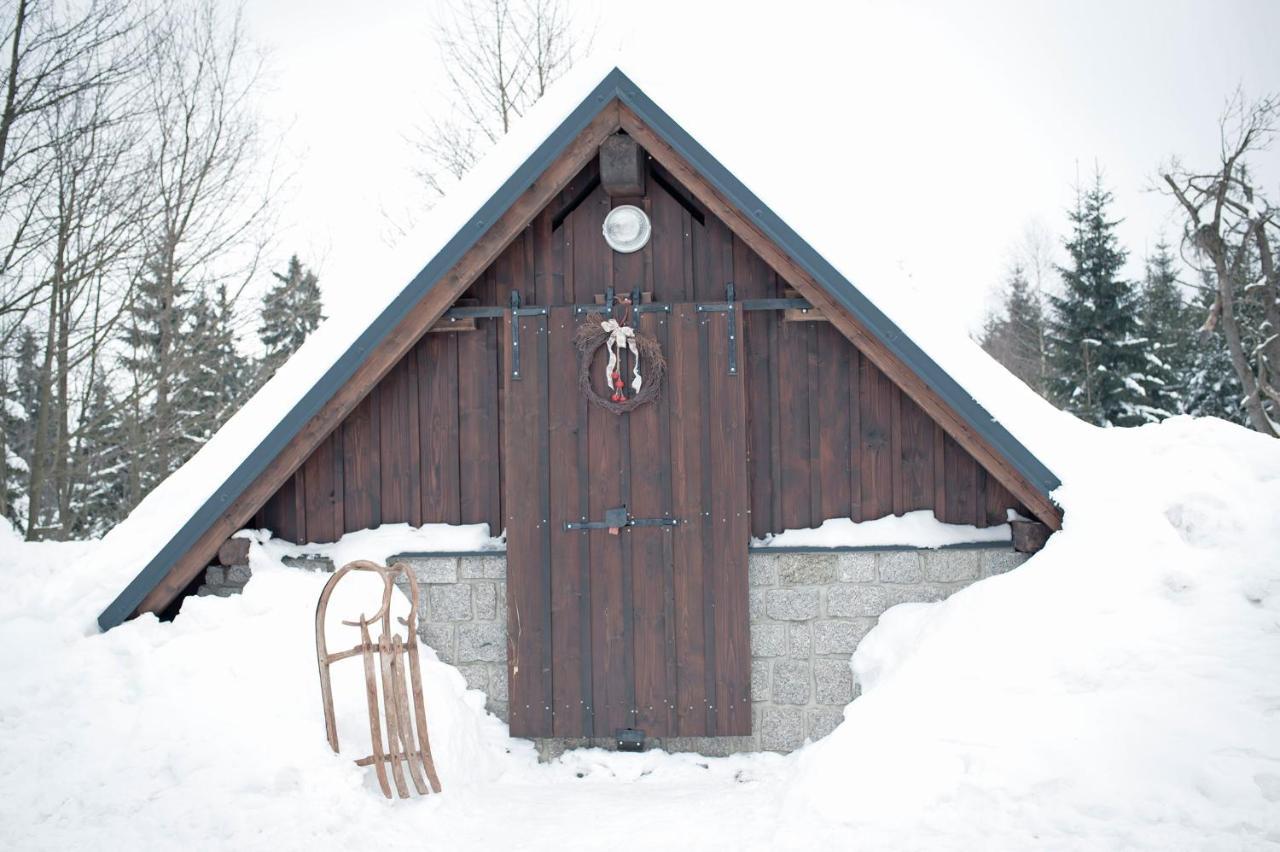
column 961, row 123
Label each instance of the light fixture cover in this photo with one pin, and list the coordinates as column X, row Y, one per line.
column 626, row 228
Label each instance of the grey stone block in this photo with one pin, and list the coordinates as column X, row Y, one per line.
column 793, row 604
column 759, row 680
column 799, row 641
column 758, row 606
column 839, row 637
column 856, row 601
column 833, row 682
column 309, row 563
column 708, row 746
column 434, row 569
column 476, row 676
column 819, row 723
column 806, row 569
column 483, row 567
column 781, row 728
column 762, row 569
column 899, row 566
column 485, row 599
column 923, row 593
column 449, row 602
column 768, row 640
column 238, row 575
column 1000, row 561
column 791, row 682
column 498, row 681
column 215, row 575
column 951, row 566
column 497, row 708
column 439, row 637
column 856, row 567
column 482, row 643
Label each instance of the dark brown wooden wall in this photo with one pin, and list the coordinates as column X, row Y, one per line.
column 828, row 434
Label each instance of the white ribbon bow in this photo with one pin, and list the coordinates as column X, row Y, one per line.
column 621, row 337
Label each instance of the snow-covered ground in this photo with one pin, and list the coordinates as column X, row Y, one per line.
column 1119, row 690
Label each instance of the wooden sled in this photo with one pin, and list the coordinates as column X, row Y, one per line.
column 407, row 745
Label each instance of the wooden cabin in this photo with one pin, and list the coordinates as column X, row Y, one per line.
column 788, row 398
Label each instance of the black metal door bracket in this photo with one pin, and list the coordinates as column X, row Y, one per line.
column 516, row 313
column 726, row 307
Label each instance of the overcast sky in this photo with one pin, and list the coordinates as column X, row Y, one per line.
column 961, row 124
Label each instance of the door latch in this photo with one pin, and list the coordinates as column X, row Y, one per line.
column 618, row 519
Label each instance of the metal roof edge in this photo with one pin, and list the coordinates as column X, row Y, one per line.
column 844, row 291
column 133, row 594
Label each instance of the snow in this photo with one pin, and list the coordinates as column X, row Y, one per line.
column 1117, row 691
column 914, row 529
column 133, row 543
column 381, row 543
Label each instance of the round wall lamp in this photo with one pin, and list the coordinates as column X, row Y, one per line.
column 626, row 228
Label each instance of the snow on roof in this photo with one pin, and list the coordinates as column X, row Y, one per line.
column 812, row 210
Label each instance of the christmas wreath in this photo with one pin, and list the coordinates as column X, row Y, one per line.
column 648, row 367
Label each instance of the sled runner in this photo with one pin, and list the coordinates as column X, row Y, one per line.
column 406, row 745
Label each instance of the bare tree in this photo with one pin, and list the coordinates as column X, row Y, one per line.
column 500, row 56
column 53, row 54
column 208, row 206
column 92, row 208
column 1229, row 234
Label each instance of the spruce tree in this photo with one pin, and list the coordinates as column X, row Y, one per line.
column 13, row 467
column 155, row 323
column 1213, row 388
column 290, row 311
column 212, row 377
column 1169, row 330
column 102, row 499
column 1095, row 339
column 1015, row 337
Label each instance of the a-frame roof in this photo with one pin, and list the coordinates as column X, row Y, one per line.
column 195, row 508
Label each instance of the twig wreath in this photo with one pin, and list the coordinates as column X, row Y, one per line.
column 598, row 331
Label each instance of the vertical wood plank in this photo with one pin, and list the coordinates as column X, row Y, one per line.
column 835, row 451
column 726, row 584
column 529, row 610
column 877, row 461
column 792, row 419
column 855, row 434
column 917, row 456
column 570, row 566
column 687, row 428
column 319, row 500
column 438, row 428
column 895, row 450
column 961, row 472
column 814, row 384
column 360, row 473
column 477, row 430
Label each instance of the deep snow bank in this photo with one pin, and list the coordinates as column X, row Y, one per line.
column 1119, row 690
column 1123, row 684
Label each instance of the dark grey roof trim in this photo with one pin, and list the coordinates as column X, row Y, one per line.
column 615, row 84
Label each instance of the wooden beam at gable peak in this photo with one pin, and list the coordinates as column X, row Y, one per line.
column 579, row 151
column 868, row 343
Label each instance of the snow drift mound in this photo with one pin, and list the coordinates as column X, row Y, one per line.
column 1120, row 684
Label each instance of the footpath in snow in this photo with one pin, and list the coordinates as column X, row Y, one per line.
column 1119, row 690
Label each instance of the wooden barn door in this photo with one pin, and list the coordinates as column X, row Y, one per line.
column 646, row 628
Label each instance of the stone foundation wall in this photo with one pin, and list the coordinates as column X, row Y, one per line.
column 808, row 612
